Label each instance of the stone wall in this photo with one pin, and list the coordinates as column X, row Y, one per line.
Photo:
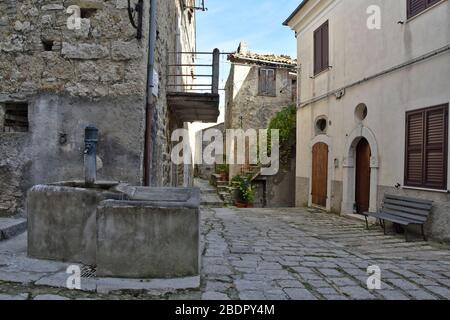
column 245, row 108
column 73, row 78
column 204, row 171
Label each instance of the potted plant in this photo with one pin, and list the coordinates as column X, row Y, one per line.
column 222, row 169
column 246, row 194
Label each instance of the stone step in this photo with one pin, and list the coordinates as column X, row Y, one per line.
column 208, row 191
column 11, row 227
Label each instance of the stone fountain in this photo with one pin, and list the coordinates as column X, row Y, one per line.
column 124, row 231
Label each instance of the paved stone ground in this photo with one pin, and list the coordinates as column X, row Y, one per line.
column 293, row 254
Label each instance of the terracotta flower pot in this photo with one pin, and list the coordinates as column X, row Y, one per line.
column 244, row 205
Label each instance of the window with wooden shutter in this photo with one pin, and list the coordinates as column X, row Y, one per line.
column 267, row 82
column 426, row 148
column 414, row 7
column 321, row 48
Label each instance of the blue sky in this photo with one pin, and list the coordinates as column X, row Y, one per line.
column 258, row 22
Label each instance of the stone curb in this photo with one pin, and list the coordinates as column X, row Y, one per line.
column 10, row 227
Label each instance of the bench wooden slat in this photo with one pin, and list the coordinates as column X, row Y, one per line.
column 403, row 215
column 420, row 201
column 381, row 215
column 412, row 211
column 422, row 206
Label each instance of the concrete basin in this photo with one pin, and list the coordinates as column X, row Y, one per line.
column 129, row 232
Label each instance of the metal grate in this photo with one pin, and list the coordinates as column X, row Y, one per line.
column 88, row 272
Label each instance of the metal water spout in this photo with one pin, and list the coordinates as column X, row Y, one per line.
column 90, row 155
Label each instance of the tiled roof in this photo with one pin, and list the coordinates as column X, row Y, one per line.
column 264, row 58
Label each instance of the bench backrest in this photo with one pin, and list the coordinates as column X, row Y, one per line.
column 407, row 208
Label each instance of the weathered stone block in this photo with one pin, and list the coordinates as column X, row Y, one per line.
column 122, row 50
column 84, row 51
column 53, row 6
column 149, row 239
column 62, row 223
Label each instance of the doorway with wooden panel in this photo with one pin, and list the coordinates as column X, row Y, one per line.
column 362, row 177
column 319, row 187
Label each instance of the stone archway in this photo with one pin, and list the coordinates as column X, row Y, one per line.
column 348, row 198
column 324, row 139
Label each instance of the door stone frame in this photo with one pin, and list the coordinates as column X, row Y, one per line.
column 349, row 167
column 322, row 138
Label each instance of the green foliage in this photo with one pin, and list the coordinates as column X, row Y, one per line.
column 246, row 192
column 286, row 122
column 222, row 168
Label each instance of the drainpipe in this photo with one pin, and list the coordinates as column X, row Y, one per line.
column 150, row 100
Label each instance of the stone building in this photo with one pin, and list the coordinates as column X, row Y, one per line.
column 259, row 86
column 204, row 171
column 373, row 104
column 68, row 64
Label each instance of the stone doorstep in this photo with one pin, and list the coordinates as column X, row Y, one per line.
column 11, row 227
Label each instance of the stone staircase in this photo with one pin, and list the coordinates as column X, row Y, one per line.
column 252, row 171
column 225, row 192
column 209, row 196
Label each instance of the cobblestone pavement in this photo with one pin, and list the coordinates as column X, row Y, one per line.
column 295, row 254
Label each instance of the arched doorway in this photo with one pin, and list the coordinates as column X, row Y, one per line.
column 319, row 187
column 361, row 140
column 362, row 176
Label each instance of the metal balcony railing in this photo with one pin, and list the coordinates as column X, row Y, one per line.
column 195, row 77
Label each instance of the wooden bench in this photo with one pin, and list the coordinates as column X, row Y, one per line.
column 403, row 211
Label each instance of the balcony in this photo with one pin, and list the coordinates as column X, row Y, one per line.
column 193, row 88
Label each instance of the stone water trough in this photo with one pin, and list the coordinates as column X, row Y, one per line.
column 125, row 231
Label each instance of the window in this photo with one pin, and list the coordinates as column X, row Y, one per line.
column 321, row 61
column 414, row 7
column 361, row 112
column 321, row 125
column 426, row 148
column 15, row 117
column 267, row 82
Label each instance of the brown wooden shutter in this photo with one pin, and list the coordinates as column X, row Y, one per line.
column 317, row 51
column 414, row 7
column 435, row 166
column 414, row 149
column 325, row 46
column 321, row 48
column 426, row 157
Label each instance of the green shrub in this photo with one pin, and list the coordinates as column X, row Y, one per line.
column 286, row 122
column 245, row 189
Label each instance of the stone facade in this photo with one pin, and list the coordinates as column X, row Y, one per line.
column 246, row 107
column 73, row 78
column 388, row 72
column 204, row 171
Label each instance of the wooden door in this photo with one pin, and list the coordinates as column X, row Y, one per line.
column 320, row 174
column 362, row 186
